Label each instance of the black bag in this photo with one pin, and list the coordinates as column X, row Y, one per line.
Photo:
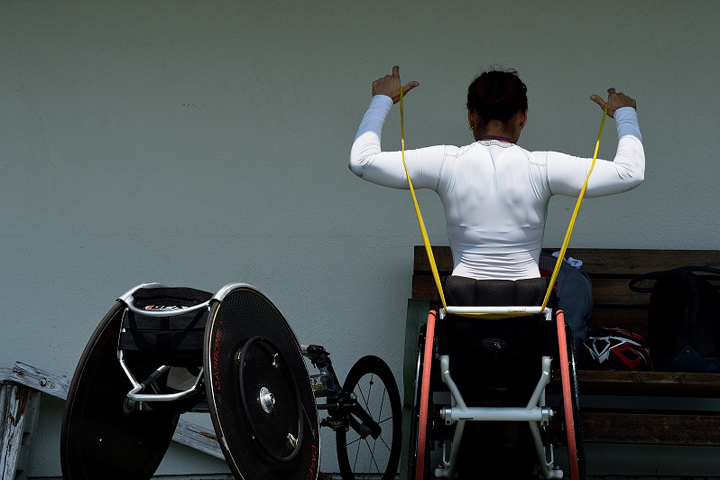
column 684, row 319
column 574, row 292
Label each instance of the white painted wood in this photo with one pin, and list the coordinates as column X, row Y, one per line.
column 198, row 438
column 32, row 413
column 41, row 380
column 19, row 406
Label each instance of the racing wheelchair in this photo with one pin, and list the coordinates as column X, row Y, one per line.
column 161, row 352
column 480, row 385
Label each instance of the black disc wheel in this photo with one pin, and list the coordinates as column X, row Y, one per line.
column 575, row 398
column 270, row 400
column 371, row 445
column 259, row 396
column 101, row 437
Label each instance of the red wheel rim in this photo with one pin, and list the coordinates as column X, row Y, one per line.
column 425, row 396
column 567, row 397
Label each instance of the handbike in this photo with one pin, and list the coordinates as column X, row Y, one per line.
column 365, row 414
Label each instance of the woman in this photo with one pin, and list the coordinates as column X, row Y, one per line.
column 495, row 196
column 494, row 192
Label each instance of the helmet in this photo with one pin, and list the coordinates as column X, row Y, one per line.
column 615, row 349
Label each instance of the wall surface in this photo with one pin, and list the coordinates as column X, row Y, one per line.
column 199, row 143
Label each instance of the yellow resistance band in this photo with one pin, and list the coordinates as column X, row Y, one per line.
column 426, row 240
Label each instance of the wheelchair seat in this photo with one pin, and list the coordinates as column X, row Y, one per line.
column 175, row 340
column 495, row 353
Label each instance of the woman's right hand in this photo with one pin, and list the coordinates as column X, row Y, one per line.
column 389, row 85
column 614, row 101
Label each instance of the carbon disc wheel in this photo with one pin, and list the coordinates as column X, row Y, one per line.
column 100, row 438
column 247, row 336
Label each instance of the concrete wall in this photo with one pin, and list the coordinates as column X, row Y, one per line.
column 201, row 143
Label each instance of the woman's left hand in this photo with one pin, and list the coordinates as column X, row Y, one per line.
column 389, row 85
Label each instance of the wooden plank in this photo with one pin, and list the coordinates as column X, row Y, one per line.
column 598, row 261
column 606, row 291
column 18, row 415
column 635, row 320
column 645, row 383
column 186, row 433
column 32, row 414
column 651, row 429
column 424, row 288
column 632, row 262
column 443, row 259
column 616, row 291
column 40, row 380
column 199, row 438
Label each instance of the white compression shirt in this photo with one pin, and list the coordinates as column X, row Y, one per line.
column 496, row 194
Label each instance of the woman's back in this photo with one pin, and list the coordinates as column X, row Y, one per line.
column 495, row 193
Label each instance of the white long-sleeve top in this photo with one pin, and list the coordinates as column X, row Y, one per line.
column 496, row 194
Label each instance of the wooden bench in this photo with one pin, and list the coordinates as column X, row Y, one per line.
column 645, row 420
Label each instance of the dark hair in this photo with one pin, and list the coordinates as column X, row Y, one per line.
column 497, row 95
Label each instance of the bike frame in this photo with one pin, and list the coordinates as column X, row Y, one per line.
column 342, row 406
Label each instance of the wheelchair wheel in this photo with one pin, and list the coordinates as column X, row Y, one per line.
column 571, row 399
column 575, row 398
column 101, row 438
column 419, row 439
column 361, row 452
column 259, row 397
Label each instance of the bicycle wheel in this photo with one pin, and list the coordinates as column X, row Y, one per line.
column 364, row 451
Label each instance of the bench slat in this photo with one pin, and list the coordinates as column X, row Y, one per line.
column 596, row 261
column 633, row 319
column 667, row 384
column 651, row 428
column 606, row 291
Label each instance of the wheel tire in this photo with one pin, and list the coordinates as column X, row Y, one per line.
column 575, row 391
column 359, row 456
column 571, row 405
column 420, row 438
column 415, row 409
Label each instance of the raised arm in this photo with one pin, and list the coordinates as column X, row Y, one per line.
column 626, row 171
column 368, row 161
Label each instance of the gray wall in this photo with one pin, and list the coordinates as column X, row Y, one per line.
column 201, row 143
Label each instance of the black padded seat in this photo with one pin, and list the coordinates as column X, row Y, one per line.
column 498, row 353
column 175, row 340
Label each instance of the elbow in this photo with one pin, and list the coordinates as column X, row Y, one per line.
column 635, row 177
column 356, row 168
column 358, row 160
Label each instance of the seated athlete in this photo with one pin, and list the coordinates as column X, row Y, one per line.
column 495, row 194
